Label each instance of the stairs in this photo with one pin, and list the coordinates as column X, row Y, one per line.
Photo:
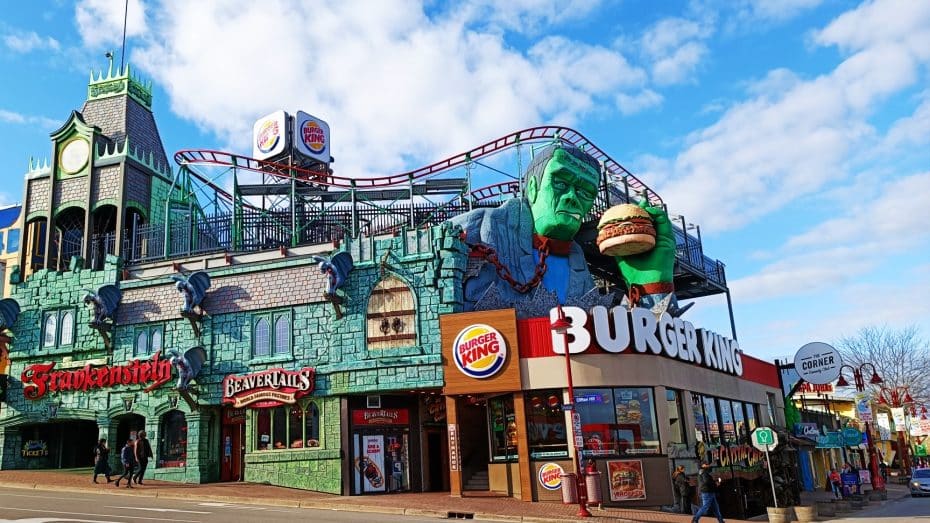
column 477, row 481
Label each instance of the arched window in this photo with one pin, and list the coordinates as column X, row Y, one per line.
column 142, row 342
column 391, row 315
column 282, row 335
column 262, row 345
column 51, row 330
column 289, row 427
column 156, row 339
column 67, row 328
column 172, row 440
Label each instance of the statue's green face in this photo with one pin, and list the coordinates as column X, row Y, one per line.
column 564, row 196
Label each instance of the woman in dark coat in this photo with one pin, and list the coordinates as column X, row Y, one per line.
column 682, row 490
column 102, row 460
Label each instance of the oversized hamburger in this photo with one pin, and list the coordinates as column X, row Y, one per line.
column 625, row 230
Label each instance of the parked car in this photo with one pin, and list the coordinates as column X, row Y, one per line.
column 920, row 483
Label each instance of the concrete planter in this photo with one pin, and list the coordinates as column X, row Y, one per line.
column 779, row 515
column 806, row 514
column 826, row 508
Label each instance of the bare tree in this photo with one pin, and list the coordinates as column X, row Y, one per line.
column 901, row 357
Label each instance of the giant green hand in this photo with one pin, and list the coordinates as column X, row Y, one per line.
column 658, row 264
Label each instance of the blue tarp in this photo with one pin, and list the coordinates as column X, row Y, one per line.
column 9, row 215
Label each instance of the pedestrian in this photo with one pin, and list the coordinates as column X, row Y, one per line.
column 682, row 490
column 143, row 455
column 708, row 486
column 128, row 457
column 102, row 460
column 836, row 483
column 883, row 468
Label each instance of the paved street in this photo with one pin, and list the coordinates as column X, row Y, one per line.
column 900, row 511
column 36, row 507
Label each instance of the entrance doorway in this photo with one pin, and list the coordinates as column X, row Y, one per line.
column 437, row 460
column 59, row 445
column 232, row 445
column 128, row 428
column 473, row 441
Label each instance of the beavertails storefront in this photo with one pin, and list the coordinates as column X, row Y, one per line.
column 647, row 401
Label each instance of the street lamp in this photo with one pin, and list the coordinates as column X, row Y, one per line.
column 898, row 397
column 561, row 326
column 878, row 483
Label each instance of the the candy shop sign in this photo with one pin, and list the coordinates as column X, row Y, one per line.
column 269, row 388
column 619, row 330
column 41, row 378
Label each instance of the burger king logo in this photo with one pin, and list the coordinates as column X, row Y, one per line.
column 268, row 136
column 550, row 476
column 479, row 351
column 313, row 136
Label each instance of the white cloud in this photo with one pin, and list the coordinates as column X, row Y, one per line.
column 630, row 104
column 407, row 88
column 24, row 42
column 100, row 22
column 794, row 137
column 772, row 10
column 675, row 47
column 19, row 118
column 525, row 16
column 913, row 130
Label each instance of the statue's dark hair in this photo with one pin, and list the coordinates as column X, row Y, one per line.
column 538, row 165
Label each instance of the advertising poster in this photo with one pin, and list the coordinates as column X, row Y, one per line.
column 369, row 464
column 863, row 408
column 897, row 414
column 626, row 480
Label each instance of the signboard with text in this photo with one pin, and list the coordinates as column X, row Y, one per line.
column 818, row 363
column 41, row 378
column 269, row 388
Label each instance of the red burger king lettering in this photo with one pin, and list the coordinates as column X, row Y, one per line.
column 479, row 347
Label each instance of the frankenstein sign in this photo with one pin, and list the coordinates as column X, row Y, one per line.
column 269, row 388
column 41, row 378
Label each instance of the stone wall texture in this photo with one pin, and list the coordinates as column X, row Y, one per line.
column 70, row 190
column 106, row 184
column 38, row 195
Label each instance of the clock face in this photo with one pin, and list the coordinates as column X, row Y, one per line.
column 74, row 156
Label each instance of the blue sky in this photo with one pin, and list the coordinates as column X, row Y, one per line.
column 795, row 132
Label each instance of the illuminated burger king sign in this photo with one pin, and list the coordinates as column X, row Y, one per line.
column 479, row 351
column 550, row 476
column 269, row 135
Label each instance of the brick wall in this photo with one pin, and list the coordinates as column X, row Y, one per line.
column 38, row 195
column 70, row 190
column 138, row 186
column 106, row 184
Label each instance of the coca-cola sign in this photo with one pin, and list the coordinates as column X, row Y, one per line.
column 269, row 388
column 40, row 378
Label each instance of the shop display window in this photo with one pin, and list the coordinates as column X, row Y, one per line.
column 502, row 423
column 700, row 423
column 617, row 421
column 289, row 427
column 727, row 426
column 739, row 420
column 710, row 417
column 545, row 424
column 751, row 418
column 676, row 416
column 172, row 440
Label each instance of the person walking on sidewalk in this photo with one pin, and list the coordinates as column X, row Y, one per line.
column 128, row 457
column 836, row 483
column 682, row 490
column 708, row 487
column 143, row 455
column 102, row 460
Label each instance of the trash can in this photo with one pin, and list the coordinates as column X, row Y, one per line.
column 569, row 489
column 592, row 482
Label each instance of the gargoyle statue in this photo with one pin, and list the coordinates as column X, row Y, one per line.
column 194, row 288
column 337, row 268
column 103, row 302
column 9, row 311
column 188, row 365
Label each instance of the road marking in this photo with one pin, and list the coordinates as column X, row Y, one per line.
column 47, row 511
column 215, row 504
column 57, row 520
column 43, row 497
column 160, row 509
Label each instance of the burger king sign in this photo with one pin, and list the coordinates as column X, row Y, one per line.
column 550, row 476
column 479, row 351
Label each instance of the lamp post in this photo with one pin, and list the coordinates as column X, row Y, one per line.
column 878, row 483
column 561, row 326
column 898, row 397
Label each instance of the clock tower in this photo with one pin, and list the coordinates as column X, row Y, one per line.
column 107, row 175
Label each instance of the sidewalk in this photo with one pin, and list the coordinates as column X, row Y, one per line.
column 428, row 504
column 895, row 492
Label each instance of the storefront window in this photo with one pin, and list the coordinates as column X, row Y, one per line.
column 545, row 422
column 700, row 422
column 502, row 423
column 727, row 427
column 739, row 419
column 710, row 417
column 173, row 440
column 617, row 421
column 290, row 427
column 751, row 418
column 676, row 418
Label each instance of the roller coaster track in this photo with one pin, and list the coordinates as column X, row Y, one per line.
column 617, row 173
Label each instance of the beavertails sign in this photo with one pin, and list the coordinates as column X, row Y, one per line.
column 269, row 388
column 40, row 378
